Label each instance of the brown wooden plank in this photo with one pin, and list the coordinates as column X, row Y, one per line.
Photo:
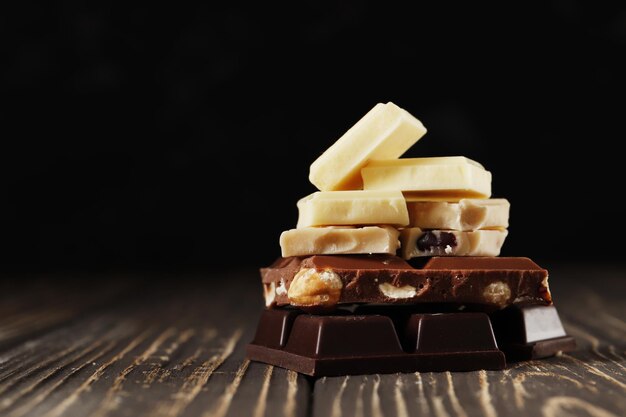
column 32, row 304
column 581, row 384
column 175, row 350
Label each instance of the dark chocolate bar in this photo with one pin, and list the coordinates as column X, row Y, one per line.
column 387, row 339
column 346, row 344
column 530, row 332
column 323, row 282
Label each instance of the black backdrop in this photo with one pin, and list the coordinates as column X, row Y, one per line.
column 160, row 137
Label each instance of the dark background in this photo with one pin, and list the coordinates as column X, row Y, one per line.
column 165, row 138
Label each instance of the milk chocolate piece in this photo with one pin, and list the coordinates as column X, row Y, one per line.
column 365, row 344
column 492, row 283
column 417, row 242
column 339, row 240
column 530, row 332
column 466, row 215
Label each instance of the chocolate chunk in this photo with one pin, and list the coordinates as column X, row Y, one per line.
column 493, row 283
column 275, row 327
column 374, row 343
column 530, row 332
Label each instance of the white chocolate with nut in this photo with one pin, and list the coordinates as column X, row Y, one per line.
column 338, row 208
column 466, row 215
column 450, row 178
column 385, row 132
column 416, row 242
column 334, row 240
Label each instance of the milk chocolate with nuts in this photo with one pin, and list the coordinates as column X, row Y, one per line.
column 326, row 281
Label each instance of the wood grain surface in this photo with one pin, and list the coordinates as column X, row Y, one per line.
column 142, row 345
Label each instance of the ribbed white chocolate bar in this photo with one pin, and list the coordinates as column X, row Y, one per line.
column 450, row 178
column 339, row 240
column 416, row 242
column 466, row 215
column 385, row 132
column 338, row 208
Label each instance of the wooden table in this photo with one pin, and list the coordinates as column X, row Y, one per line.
column 173, row 345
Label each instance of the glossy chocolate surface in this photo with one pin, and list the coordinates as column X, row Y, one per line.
column 493, row 282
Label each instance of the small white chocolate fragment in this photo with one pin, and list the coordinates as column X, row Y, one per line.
column 281, row 289
column 311, row 287
column 333, row 240
column 449, row 178
column 393, row 292
column 269, row 293
column 337, row 208
column 416, row 242
column 385, row 132
column 466, row 215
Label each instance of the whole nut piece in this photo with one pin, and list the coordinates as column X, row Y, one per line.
column 393, row 292
column 497, row 293
column 313, row 288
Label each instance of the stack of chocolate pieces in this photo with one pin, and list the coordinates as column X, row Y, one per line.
column 394, row 266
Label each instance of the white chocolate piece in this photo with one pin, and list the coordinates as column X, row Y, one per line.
column 450, row 178
column 385, row 132
column 416, row 242
column 339, row 208
column 339, row 240
column 466, row 215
